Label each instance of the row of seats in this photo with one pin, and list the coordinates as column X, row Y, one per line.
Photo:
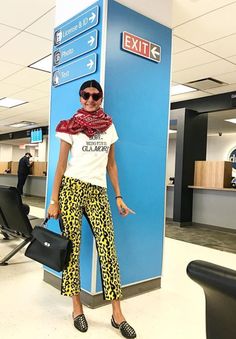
column 15, row 220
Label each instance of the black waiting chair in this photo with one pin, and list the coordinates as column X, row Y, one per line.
column 219, row 285
column 14, row 220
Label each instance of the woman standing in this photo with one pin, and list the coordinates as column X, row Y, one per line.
column 80, row 189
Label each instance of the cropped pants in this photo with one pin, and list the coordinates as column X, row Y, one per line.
column 78, row 198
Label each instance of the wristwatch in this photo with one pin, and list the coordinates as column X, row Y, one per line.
column 53, row 202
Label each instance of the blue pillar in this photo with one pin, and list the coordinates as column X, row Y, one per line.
column 131, row 58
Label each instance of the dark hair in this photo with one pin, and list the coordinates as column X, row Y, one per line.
column 91, row 83
column 28, row 153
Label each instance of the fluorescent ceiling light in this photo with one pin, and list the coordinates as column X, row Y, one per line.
column 9, row 102
column 44, row 64
column 180, row 89
column 22, row 124
column 231, row 120
column 171, row 131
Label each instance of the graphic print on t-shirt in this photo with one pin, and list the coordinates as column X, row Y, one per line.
column 89, row 156
column 96, row 144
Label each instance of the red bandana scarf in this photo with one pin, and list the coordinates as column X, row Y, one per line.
column 86, row 122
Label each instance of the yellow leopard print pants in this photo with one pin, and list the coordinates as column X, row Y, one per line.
column 78, row 198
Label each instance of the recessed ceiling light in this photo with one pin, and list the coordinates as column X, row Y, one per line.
column 180, row 89
column 9, row 102
column 22, row 124
column 44, row 64
column 231, row 120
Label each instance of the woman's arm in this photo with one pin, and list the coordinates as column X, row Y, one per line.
column 53, row 209
column 113, row 174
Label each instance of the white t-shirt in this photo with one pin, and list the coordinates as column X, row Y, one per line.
column 89, row 156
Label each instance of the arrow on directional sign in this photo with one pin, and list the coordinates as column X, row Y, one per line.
column 92, row 17
column 91, row 41
column 155, row 54
column 76, row 48
column 80, row 23
column 90, row 64
column 75, row 70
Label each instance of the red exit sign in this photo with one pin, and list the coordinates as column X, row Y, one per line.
column 146, row 49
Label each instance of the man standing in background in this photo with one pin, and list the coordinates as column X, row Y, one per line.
column 23, row 171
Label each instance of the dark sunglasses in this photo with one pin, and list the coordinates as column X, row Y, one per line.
column 95, row 96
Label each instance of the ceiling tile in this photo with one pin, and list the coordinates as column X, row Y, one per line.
column 27, row 77
column 29, row 95
column 208, row 28
column 188, row 96
column 232, row 59
column 211, row 69
column 44, row 26
column 22, row 13
column 223, row 89
column 7, row 90
column 229, row 78
column 6, row 33
column 7, row 69
column 44, row 86
column 25, row 49
column 185, row 10
column 180, row 45
column 224, row 47
column 191, row 58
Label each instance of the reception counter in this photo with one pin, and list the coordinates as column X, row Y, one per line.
column 214, row 206
column 211, row 206
column 34, row 186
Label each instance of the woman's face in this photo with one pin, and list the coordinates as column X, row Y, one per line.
column 90, row 104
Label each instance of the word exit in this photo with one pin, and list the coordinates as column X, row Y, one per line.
column 142, row 47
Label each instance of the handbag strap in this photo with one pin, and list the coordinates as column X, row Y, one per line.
column 60, row 223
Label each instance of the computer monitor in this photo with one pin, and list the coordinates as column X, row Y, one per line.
column 36, row 136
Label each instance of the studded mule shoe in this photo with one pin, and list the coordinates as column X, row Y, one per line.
column 80, row 322
column 125, row 329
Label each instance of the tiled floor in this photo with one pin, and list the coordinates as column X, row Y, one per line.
column 31, row 308
column 223, row 240
column 34, row 201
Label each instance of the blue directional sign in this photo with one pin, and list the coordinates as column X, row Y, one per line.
column 79, row 24
column 75, row 70
column 77, row 47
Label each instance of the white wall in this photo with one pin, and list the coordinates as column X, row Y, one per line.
column 218, row 148
column 14, row 153
column 5, row 152
column 170, row 166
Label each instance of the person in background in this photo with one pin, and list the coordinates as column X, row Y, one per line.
column 79, row 189
column 23, row 171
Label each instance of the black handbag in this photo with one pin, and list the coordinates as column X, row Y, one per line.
column 49, row 248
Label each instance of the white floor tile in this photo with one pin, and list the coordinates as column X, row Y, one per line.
column 31, row 308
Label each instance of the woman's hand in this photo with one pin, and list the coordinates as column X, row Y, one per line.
column 53, row 210
column 123, row 209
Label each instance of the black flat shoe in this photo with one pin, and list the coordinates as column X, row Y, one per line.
column 125, row 329
column 80, row 323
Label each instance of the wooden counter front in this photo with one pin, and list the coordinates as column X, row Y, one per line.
column 214, row 174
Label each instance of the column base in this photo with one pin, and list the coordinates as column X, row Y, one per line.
column 94, row 301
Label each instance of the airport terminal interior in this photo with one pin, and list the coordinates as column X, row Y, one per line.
column 203, row 79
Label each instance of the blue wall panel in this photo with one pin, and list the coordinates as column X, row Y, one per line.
column 137, row 98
